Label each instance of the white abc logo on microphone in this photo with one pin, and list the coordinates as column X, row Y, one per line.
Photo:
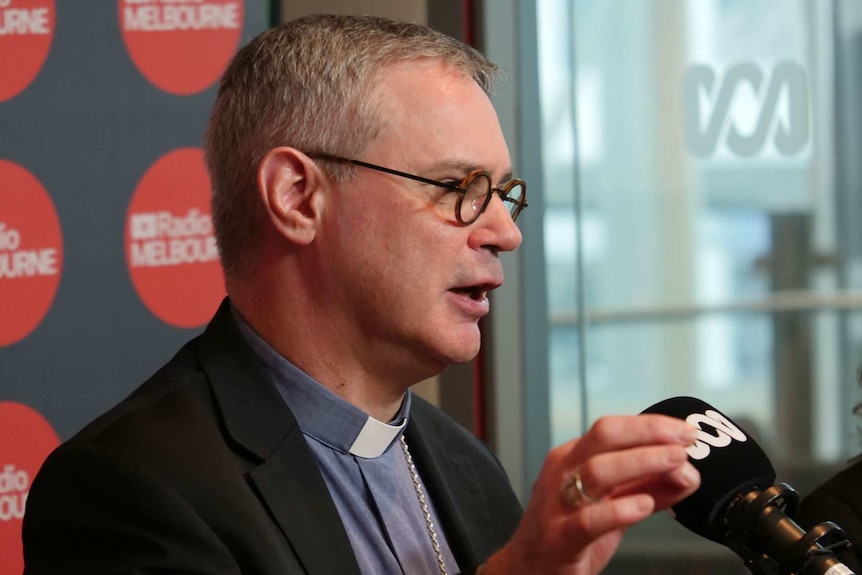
column 725, row 432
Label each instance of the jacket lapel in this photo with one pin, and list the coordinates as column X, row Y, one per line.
column 288, row 479
column 290, row 484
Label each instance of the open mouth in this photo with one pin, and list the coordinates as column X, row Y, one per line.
column 476, row 293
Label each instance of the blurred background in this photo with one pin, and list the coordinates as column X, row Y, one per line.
column 693, row 231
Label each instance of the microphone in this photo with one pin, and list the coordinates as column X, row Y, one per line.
column 737, row 504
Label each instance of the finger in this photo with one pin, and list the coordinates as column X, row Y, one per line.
column 593, row 521
column 667, row 489
column 604, row 473
column 614, row 433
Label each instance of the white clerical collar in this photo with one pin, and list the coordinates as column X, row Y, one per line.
column 374, row 437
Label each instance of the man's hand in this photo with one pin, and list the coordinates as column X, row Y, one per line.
column 628, row 468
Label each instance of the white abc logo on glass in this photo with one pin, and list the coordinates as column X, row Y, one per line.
column 725, row 432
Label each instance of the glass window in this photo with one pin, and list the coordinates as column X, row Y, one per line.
column 701, row 186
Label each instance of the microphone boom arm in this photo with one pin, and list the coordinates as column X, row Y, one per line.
column 762, row 520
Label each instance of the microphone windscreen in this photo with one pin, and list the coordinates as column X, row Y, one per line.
column 730, row 463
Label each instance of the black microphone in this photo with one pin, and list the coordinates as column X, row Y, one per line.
column 738, row 504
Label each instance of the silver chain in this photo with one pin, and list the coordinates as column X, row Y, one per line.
column 424, row 504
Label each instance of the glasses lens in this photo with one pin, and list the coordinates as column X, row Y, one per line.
column 478, row 186
column 514, row 198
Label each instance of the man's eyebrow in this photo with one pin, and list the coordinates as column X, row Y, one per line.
column 452, row 165
column 464, row 168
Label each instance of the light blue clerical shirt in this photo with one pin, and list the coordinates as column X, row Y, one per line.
column 364, row 468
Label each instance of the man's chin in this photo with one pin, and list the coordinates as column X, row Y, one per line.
column 464, row 350
column 452, row 342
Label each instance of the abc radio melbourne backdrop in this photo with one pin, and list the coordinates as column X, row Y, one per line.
column 107, row 258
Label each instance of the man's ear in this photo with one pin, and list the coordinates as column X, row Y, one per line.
column 291, row 187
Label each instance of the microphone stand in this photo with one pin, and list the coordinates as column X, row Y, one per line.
column 761, row 520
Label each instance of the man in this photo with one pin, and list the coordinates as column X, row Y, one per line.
column 837, row 499
column 362, row 194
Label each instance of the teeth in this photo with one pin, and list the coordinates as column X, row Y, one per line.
column 476, row 293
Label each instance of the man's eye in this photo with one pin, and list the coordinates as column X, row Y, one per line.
column 452, row 182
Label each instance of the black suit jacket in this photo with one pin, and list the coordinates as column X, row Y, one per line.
column 839, row 499
column 203, row 469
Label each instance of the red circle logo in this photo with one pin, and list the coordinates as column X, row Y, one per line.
column 31, row 252
column 170, row 247
column 27, row 439
column 181, row 46
column 26, row 30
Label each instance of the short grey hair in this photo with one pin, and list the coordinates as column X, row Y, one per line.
column 309, row 84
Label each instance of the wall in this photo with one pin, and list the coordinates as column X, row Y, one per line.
column 106, row 257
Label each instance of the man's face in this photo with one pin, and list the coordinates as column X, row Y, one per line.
column 408, row 276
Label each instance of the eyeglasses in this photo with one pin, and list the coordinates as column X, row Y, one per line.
column 474, row 191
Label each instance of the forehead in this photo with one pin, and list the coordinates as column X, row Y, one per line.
column 436, row 114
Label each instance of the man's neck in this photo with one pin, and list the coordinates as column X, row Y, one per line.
column 321, row 354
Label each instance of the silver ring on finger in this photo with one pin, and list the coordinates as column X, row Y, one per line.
column 573, row 492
